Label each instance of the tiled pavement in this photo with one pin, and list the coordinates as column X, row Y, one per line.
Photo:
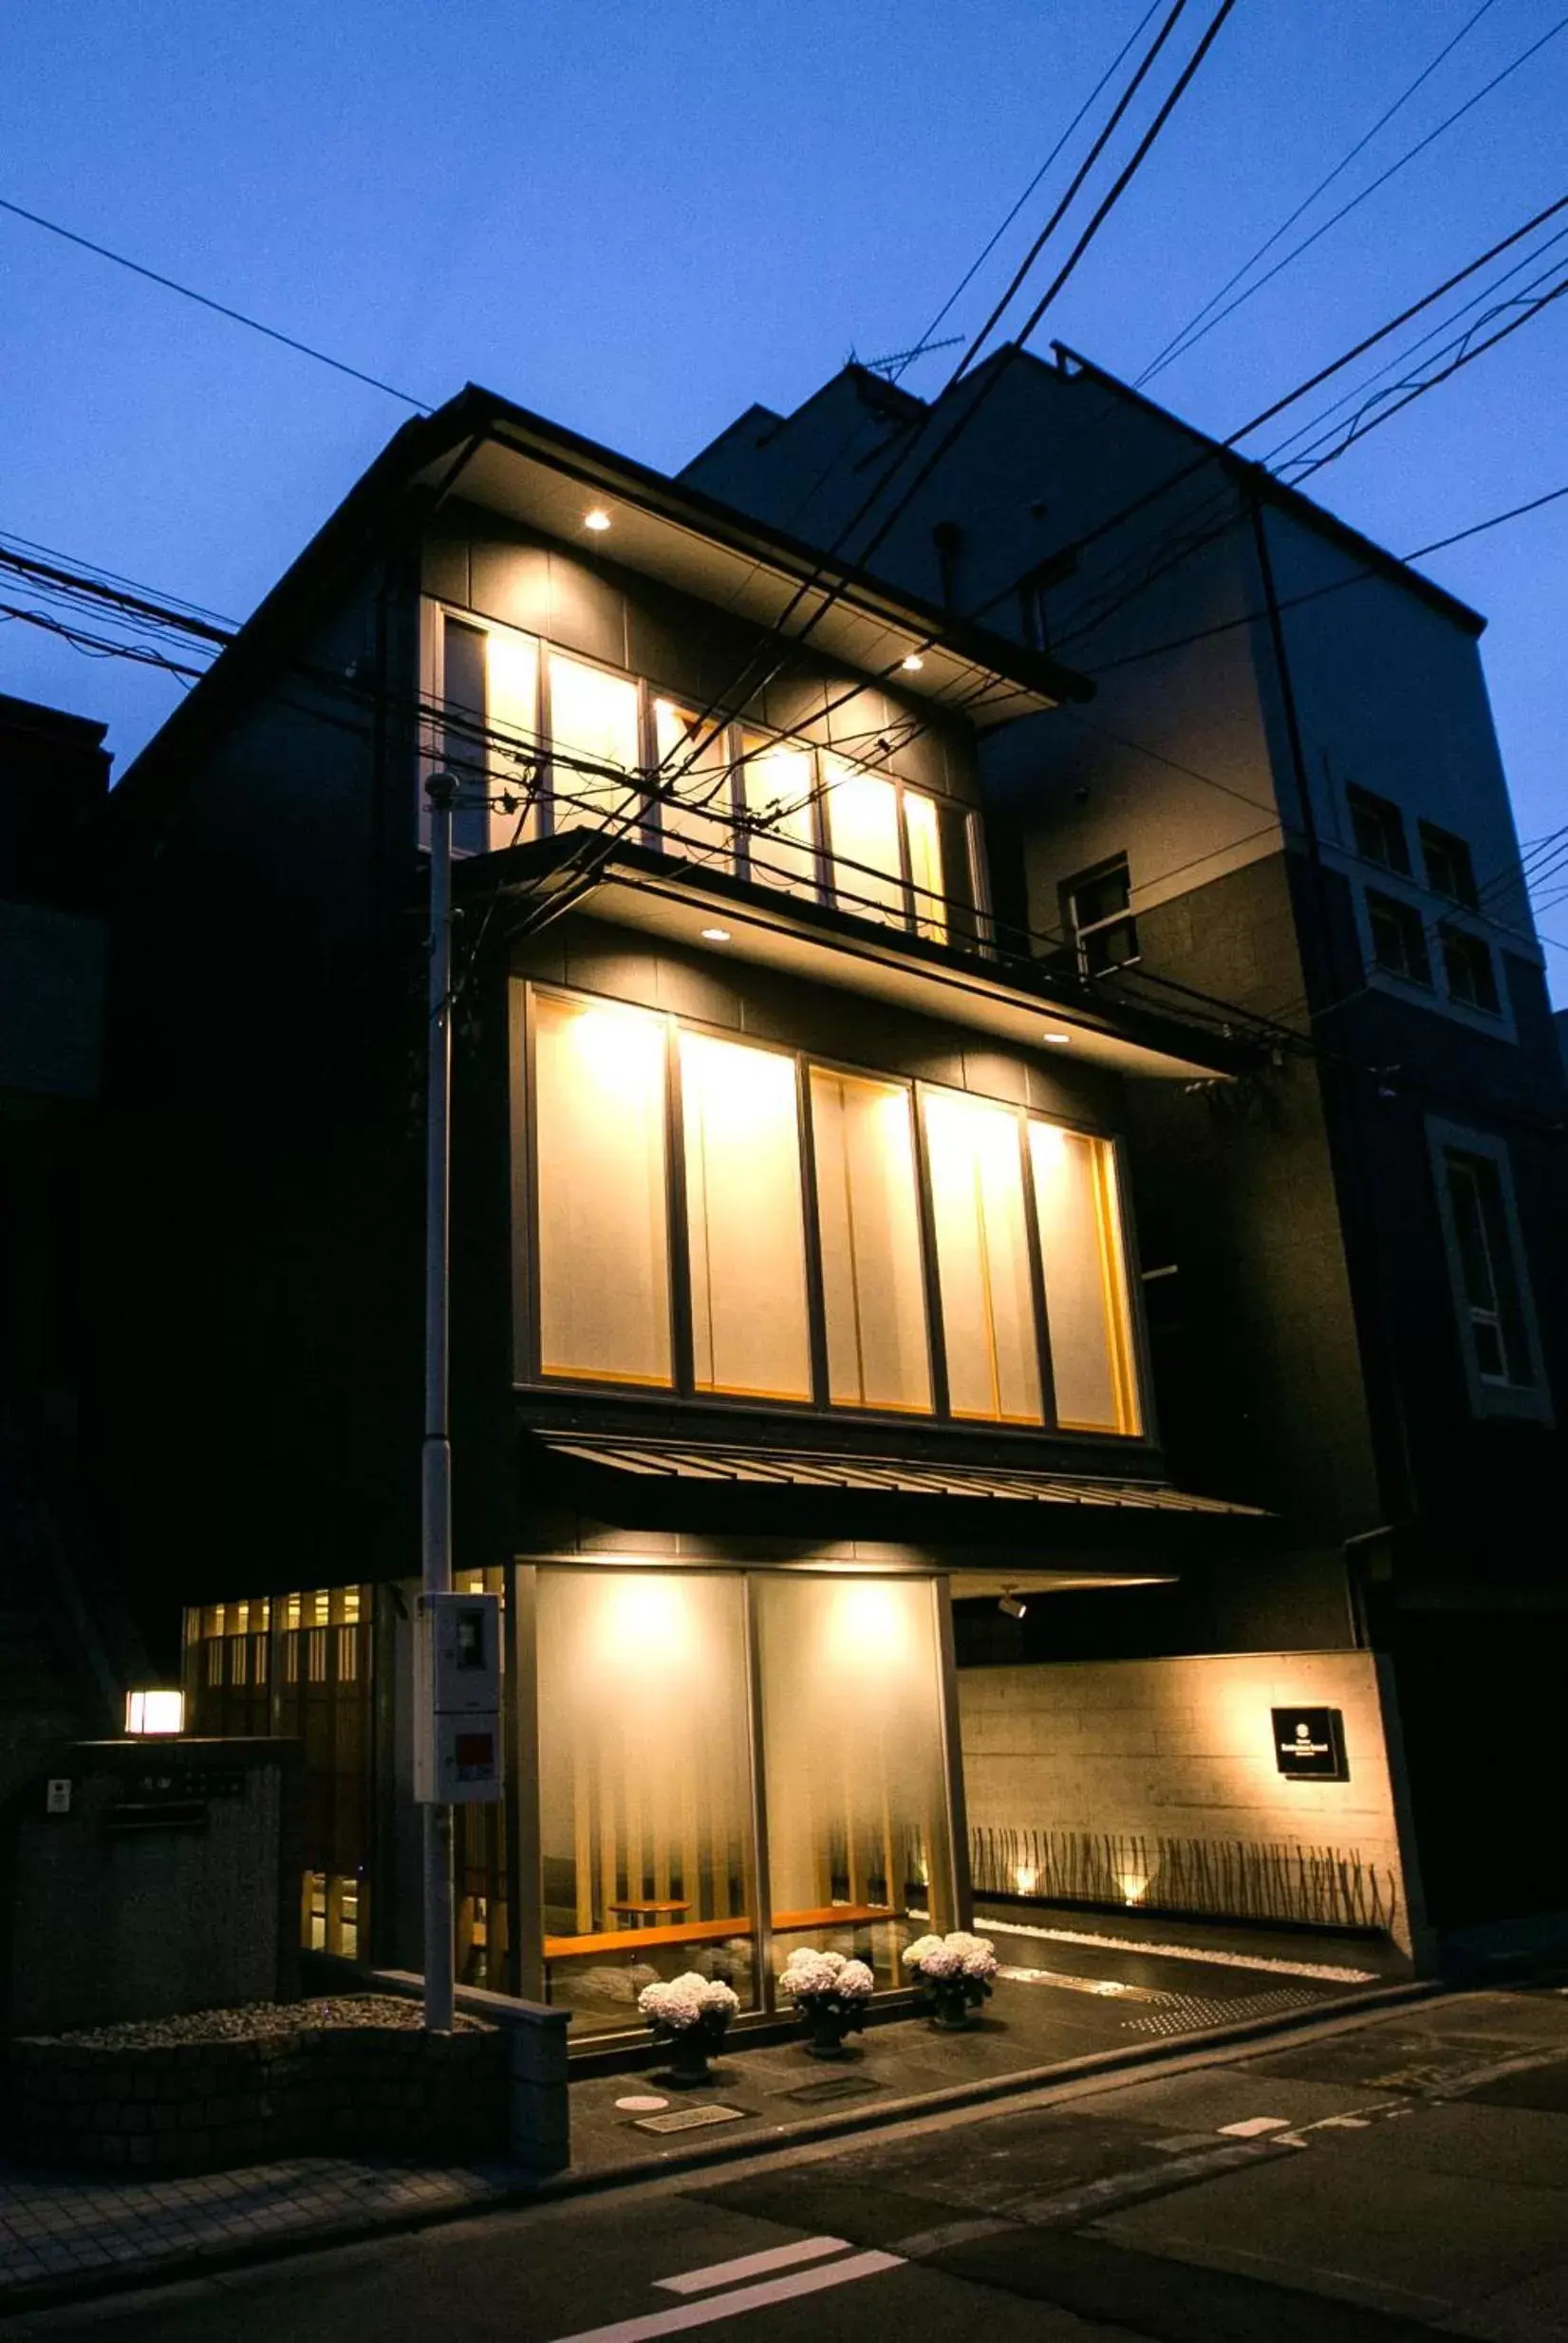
column 59, row 2233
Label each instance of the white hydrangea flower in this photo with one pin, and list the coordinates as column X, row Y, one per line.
column 855, row 1981
column 686, row 2001
column 914, row 1955
column 942, row 1961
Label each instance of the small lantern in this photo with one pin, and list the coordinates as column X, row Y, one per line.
column 154, row 1711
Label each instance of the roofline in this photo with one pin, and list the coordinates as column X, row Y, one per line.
column 457, row 430
column 1372, row 556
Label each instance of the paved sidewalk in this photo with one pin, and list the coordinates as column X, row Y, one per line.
column 1065, row 2005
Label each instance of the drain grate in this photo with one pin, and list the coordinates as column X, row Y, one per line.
column 692, row 2119
column 833, row 2086
column 1192, row 2013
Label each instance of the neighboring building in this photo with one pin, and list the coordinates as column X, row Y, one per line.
column 1287, row 794
column 60, row 1651
column 794, row 1280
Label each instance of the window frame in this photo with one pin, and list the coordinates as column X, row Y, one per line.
column 1468, row 945
column 1528, row 1402
column 1433, row 839
column 529, row 1374
column 1079, row 931
column 1406, row 917
column 1391, row 816
column 965, row 894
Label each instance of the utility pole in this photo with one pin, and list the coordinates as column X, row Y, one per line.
column 435, row 1465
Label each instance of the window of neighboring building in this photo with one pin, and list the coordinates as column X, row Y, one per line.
column 841, row 1307
column 868, row 1202
column 983, row 1269
column 1399, row 938
column 1450, row 871
column 1099, row 917
column 1468, row 968
column 745, row 1220
column 1491, row 1291
column 1378, row 828
column 602, row 1212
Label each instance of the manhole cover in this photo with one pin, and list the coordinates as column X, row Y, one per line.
column 836, row 2087
column 691, row 2119
column 640, row 2105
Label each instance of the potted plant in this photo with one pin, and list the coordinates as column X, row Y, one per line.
column 691, row 2014
column 956, row 1971
column 831, row 1993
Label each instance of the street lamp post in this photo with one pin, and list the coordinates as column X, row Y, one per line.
column 436, row 1463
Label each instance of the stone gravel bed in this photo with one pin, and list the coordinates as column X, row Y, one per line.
column 259, row 2021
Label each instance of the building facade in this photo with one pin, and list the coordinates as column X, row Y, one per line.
column 1287, row 794
column 796, row 1286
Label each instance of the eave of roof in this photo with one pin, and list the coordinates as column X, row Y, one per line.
column 427, row 459
column 1300, row 508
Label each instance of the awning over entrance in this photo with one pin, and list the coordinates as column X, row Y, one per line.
column 663, row 1481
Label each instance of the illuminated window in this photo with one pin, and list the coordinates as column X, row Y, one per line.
column 922, row 836
column 694, row 757
column 602, row 1192
column 485, row 683
column 746, row 1234
column 982, row 1259
column 593, row 722
column 778, row 782
column 862, row 827
column 1086, row 1303
column 873, row 1284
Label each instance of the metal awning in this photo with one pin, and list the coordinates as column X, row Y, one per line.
column 737, row 1468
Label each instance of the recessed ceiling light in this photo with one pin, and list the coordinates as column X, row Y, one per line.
column 597, row 520
column 716, row 935
column 912, row 664
column 1058, row 1041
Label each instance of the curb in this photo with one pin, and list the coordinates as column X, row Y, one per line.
column 200, row 2261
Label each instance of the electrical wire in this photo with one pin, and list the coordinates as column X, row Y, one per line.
column 1398, row 164
column 219, row 308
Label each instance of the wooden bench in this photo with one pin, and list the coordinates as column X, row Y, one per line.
column 632, row 1940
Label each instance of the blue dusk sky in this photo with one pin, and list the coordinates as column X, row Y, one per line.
column 638, row 220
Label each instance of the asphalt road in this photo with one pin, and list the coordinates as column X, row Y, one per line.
column 1369, row 2186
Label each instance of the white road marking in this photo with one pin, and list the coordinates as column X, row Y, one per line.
column 1252, row 2127
column 683, row 2315
column 752, row 2265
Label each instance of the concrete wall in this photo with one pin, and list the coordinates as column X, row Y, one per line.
column 1175, row 1758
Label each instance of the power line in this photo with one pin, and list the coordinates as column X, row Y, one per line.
column 219, row 308
column 1169, row 357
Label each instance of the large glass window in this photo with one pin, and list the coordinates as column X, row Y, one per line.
column 873, row 1284
column 744, row 1218
column 863, row 827
column 778, row 782
column 601, row 1209
column 486, row 682
column 644, row 1782
column 867, row 1303
column 982, row 1259
column 1082, row 1256
column 593, row 718
column 852, row 1762
column 694, row 766
column 924, row 838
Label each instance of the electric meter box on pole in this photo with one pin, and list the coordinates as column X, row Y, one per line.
column 458, row 1679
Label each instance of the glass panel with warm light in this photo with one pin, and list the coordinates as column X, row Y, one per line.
column 593, row 722
column 863, row 831
column 745, row 1220
column 1086, row 1291
column 777, row 785
column 645, row 1787
column 923, row 835
column 601, row 1212
column 858, row 1847
column 694, row 763
column 982, row 1259
column 873, row 1284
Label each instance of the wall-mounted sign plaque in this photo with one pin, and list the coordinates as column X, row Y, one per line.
column 1309, row 1744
